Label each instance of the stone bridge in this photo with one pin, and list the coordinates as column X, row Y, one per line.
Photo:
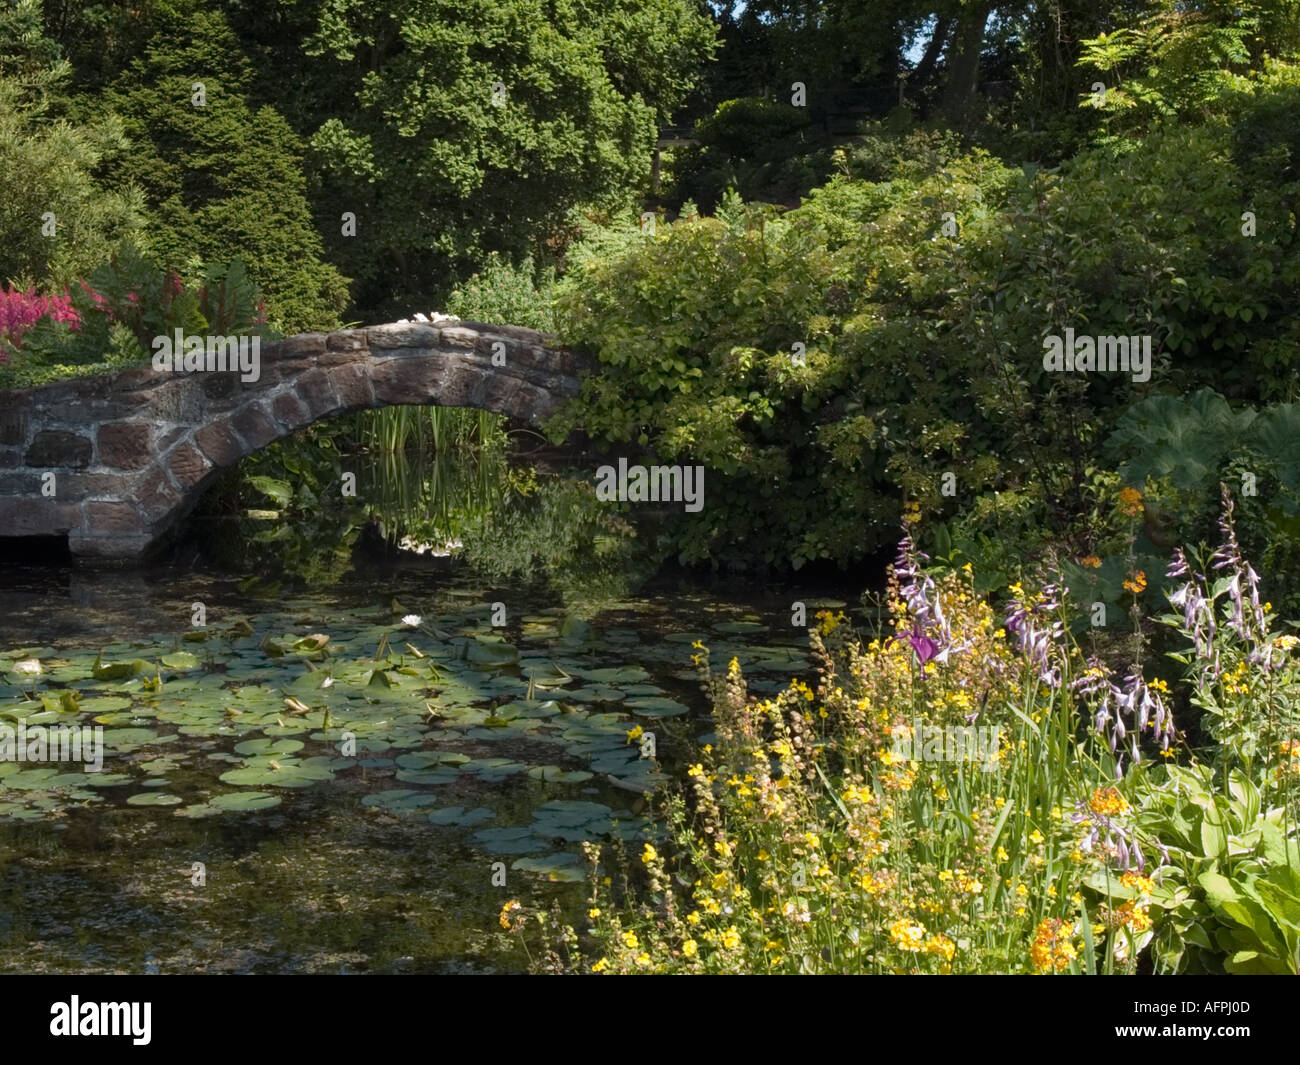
column 115, row 462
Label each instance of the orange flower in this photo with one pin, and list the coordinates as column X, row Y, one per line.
column 1137, row 581
column 1108, row 802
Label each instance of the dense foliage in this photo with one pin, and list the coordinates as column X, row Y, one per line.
column 921, row 282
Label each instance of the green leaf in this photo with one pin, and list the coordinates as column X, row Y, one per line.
column 279, row 491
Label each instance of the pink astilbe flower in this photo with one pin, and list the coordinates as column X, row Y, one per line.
column 20, row 310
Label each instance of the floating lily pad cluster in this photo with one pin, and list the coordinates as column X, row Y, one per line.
column 233, row 718
column 563, row 821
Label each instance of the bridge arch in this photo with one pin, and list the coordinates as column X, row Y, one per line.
column 131, row 453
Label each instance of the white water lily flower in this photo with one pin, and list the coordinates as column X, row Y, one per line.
column 412, row 620
column 29, row 666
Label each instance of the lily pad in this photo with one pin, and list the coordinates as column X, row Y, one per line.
column 107, row 780
column 382, row 799
column 560, row 867
column 154, row 798
column 484, row 653
column 457, row 815
column 240, row 801
column 615, row 675
column 656, row 707
column 128, row 739
column 440, row 775
column 553, row 774
column 508, row 841
column 268, row 748
column 182, row 660
column 287, row 776
column 30, row 779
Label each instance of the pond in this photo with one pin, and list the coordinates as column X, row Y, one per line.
column 350, row 778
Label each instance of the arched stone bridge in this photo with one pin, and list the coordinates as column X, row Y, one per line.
column 132, row 452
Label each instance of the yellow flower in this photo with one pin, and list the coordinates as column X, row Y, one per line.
column 593, row 913
column 600, row 966
column 693, row 918
column 1092, row 561
column 1138, row 882
column 506, row 911
column 908, row 936
column 941, row 945
column 649, row 854
column 731, row 938
column 1052, row 948
column 634, row 733
column 643, row 959
column 629, row 940
column 690, row 948
column 1130, row 501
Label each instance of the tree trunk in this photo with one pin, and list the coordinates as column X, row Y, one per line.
column 964, row 61
column 931, row 55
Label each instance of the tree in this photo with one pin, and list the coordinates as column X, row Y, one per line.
column 57, row 221
column 223, row 178
column 453, row 128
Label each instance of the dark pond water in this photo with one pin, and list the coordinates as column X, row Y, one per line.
column 343, row 780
